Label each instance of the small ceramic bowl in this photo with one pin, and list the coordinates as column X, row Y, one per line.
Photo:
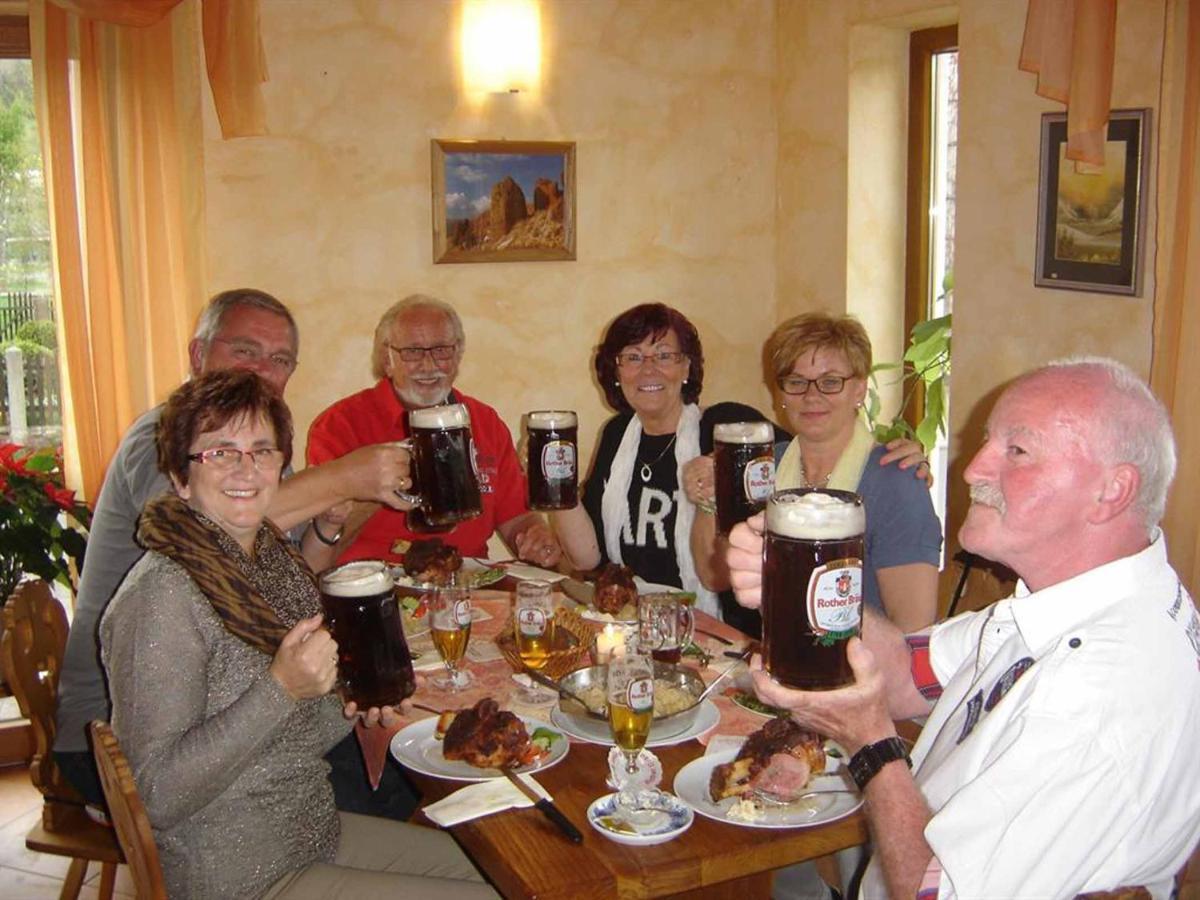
column 666, row 820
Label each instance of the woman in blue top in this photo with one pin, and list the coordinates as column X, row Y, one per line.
column 820, row 364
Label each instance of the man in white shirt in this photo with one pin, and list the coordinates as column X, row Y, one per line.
column 1058, row 756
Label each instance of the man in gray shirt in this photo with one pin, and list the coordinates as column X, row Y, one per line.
column 244, row 329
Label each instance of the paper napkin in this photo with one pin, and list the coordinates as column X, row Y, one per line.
column 481, row 799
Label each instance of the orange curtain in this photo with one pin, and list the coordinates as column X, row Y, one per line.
column 118, row 89
column 1070, row 44
column 1175, row 369
column 119, row 114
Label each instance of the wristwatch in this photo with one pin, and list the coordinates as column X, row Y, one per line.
column 866, row 763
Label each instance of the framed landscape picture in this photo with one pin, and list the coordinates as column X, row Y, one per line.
column 1090, row 218
column 503, row 201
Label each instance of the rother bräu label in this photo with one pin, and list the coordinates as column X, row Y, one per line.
column 462, row 613
column 758, row 480
column 558, row 461
column 641, row 694
column 531, row 621
column 835, row 600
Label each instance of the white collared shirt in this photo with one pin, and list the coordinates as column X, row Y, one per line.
column 1061, row 755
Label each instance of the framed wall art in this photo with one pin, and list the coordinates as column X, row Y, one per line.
column 503, row 201
column 1090, row 218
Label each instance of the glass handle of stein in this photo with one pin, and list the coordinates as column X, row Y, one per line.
column 407, row 497
column 688, row 617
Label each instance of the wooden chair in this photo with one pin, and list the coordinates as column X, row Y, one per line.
column 128, row 814
column 31, row 652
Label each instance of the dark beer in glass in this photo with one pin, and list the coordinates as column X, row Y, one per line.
column 444, row 458
column 744, row 467
column 374, row 665
column 812, row 586
column 552, row 466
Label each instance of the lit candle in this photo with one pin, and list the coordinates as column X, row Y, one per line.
column 609, row 643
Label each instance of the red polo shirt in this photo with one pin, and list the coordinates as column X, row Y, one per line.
column 375, row 416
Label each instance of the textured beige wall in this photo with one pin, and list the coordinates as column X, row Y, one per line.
column 714, row 144
column 672, row 110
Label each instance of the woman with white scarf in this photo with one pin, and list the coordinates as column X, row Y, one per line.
column 634, row 511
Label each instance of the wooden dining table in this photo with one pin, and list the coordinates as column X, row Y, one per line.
column 524, row 855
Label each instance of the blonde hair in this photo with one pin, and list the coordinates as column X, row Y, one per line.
column 810, row 332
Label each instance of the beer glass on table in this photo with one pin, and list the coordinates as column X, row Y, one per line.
column 450, row 627
column 630, row 694
column 374, row 664
column 444, row 464
column 812, row 586
column 743, row 470
column 666, row 623
column 551, row 468
column 533, row 627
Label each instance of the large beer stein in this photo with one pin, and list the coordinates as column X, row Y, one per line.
column 552, row 467
column 666, row 625
column 744, row 470
column 444, row 464
column 812, row 586
column 374, row 665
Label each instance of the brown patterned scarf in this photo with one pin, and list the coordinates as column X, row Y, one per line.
column 170, row 527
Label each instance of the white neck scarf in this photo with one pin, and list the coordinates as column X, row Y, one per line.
column 614, row 504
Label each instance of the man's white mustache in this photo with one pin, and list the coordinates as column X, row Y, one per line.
column 987, row 494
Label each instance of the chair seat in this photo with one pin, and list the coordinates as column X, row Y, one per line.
column 87, row 840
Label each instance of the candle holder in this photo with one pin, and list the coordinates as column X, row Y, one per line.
column 610, row 642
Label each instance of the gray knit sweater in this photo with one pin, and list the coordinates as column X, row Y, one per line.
column 229, row 766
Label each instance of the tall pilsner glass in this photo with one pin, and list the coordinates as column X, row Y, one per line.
column 630, row 711
column 812, row 586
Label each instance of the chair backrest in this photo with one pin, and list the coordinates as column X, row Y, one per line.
column 127, row 813
column 31, row 653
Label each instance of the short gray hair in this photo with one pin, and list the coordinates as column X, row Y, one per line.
column 220, row 304
column 399, row 308
column 1135, row 429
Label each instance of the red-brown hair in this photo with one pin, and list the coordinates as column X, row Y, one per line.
column 210, row 402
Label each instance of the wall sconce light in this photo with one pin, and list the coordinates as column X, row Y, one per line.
column 501, row 46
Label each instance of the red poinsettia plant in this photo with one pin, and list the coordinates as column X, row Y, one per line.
column 43, row 528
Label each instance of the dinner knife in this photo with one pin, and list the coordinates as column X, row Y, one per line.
column 548, row 809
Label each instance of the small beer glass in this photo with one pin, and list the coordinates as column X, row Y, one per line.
column 533, row 630
column 450, row 626
column 630, row 711
column 666, row 624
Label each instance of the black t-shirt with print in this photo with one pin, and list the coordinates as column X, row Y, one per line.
column 648, row 537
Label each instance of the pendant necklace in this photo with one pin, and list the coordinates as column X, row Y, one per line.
column 806, row 482
column 648, row 467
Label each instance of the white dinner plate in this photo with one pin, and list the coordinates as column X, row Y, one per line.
column 478, row 574
column 415, row 746
column 691, row 786
column 595, row 731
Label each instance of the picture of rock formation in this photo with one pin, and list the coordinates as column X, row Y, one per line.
column 504, row 201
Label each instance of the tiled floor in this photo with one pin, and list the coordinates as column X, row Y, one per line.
column 35, row 876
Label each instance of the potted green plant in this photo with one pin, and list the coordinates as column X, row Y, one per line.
column 926, row 363
column 43, row 528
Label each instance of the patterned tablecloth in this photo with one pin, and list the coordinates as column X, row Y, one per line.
column 493, row 678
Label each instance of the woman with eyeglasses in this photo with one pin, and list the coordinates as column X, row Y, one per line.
column 650, row 365
column 222, row 678
column 820, row 364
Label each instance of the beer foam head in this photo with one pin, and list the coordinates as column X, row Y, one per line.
column 815, row 515
column 552, row 419
column 453, row 415
column 742, row 432
column 357, row 579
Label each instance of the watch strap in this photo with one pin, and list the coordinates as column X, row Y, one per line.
column 866, row 763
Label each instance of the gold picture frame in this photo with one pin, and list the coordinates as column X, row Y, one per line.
column 503, row 201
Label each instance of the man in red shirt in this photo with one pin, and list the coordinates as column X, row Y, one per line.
column 419, row 344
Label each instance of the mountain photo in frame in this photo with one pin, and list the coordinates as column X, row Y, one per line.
column 1090, row 218
column 503, row 201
